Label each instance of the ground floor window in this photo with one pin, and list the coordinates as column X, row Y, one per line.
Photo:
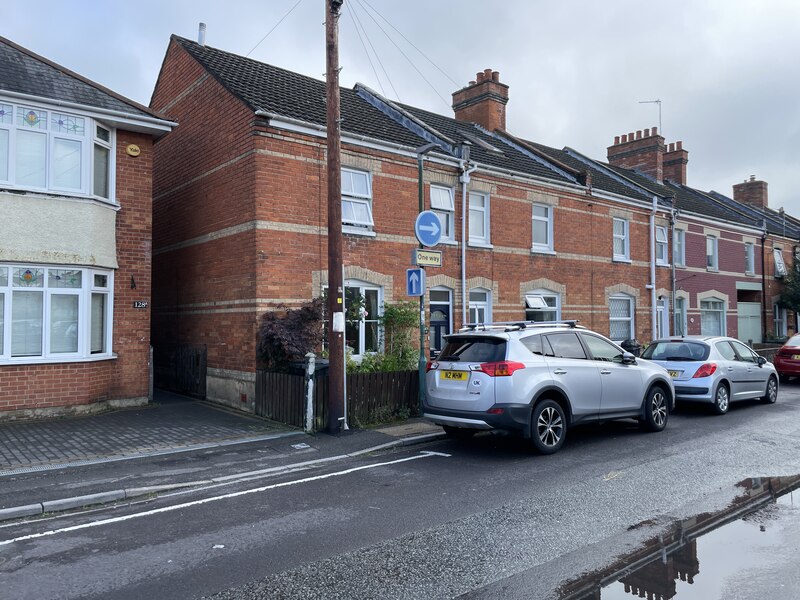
column 542, row 305
column 621, row 310
column 362, row 302
column 479, row 306
column 779, row 316
column 49, row 313
column 712, row 317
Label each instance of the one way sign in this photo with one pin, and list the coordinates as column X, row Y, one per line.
column 415, row 282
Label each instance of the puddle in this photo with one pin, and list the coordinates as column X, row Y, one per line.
column 698, row 557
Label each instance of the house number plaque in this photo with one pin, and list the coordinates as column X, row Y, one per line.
column 140, row 304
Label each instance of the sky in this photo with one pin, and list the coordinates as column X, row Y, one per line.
column 727, row 72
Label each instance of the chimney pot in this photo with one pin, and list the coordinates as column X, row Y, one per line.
column 630, row 136
column 679, row 145
column 752, row 177
column 487, row 73
column 671, row 147
column 616, row 140
column 638, row 134
column 201, row 34
column 496, row 76
column 479, row 77
column 624, row 138
column 655, row 130
column 472, row 82
column 646, row 133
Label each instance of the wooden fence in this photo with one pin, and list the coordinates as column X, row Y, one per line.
column 181, row 368
column 371, row 397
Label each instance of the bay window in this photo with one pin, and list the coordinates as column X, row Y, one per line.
column 54, row 151
column 54, row 313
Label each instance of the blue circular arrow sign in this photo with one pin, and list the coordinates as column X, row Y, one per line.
column 428, row 228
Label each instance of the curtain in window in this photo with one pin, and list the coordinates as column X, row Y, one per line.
column 711, row 317
column 31, row 159
column 98, row 334
column 3, row 155
column 63, row 323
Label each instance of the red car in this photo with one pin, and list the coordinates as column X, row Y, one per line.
column 787, row 360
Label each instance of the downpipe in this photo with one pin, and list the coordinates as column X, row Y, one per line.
column 466, row 170
column 653, row 308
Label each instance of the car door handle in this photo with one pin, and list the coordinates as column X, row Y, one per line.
column 559, row 372
column 730, row 368
column 605, row 372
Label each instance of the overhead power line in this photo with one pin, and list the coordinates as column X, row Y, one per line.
column 274, row 27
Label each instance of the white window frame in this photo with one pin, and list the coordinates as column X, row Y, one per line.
column 631, row 319
column 662, row 246
column 679, row 248
column 624, row 237
column 535, row 301
column 723, row 314
column 680, row 315
column 481, row 214
column 87, row 140
column 780, row 264
column 84, row 294
column 548, row 220
column 356, row 200
column 712, row 258
column 749, row 258
column 362, row 287
column 442, row 204
column 477, row 306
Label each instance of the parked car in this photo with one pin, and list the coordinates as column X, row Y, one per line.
column 716, row 370
column 539, row 379
column 787, row 360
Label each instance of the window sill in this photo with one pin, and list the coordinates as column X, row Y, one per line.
column 626, row 261
column 750, row 273
column 448, row 242
column 658, row 264
column 710, row 270
column 542, row 251
column 480, row 245
column 358, row 231
column 80, row 196
column 36, row 360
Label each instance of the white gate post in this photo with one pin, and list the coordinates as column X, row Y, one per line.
column 310, row 361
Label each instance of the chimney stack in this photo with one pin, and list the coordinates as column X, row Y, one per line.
column 752, row 191
column 675, row 161
column 643, row 152
column 483, row 101
column 201, row 35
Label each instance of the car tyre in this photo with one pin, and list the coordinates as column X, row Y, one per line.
column 722, row 399
column 548, row 427
column 656, row 409
column 458, row 433
column 771, row 394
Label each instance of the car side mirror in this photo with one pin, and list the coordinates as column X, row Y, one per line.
column 628, row 358
column 761, row 361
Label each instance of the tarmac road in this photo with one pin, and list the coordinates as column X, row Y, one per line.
column 431, row 521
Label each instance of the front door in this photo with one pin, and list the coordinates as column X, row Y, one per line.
column 440, row 326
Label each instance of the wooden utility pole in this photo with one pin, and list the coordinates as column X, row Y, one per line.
column 335, row 406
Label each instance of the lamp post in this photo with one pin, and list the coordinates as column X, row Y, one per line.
column 421, row 152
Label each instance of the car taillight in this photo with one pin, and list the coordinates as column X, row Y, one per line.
column 503, row 368
column 705, row 370
column 432, row 364
column 789, row 351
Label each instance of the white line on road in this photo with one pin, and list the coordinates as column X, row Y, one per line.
column 425, row 454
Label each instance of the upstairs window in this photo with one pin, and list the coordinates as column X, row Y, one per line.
column 661, row 246
column 749, row 259
column 712, row 257
column 479, row 219
column 622, row 249
column 356, row 201
column 542, row 228
column 54, row 151
column 442, row 205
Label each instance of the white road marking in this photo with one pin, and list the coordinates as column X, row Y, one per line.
column 265, row 488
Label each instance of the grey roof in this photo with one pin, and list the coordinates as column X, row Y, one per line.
column 271, row 89
column 775, row 222
column 24, row 72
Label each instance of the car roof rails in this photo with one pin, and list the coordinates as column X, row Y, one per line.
column 518, row 325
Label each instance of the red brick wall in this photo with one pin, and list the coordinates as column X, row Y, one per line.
column 53, row 386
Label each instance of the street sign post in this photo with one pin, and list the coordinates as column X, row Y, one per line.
column 428, row 228
column 415, row 282
column 426, row 258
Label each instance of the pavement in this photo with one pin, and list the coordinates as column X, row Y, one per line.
column 61, row 464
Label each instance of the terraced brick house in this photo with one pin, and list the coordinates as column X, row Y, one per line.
column 75, row 240
column 240, row 219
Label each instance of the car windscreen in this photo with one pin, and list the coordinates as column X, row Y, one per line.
column 677, row 350
column 474, row 349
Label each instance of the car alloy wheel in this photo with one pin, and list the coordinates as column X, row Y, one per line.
column 772, row 391
column 656, row 410
column 721, row 399
column 549, row 427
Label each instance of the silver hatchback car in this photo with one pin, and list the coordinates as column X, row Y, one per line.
column 540, row 379
column 716, row 370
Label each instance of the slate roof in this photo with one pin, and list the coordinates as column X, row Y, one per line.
column 774, row 220
column 27, row 73
column 271, row 89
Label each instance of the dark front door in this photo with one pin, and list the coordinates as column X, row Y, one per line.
column 440, row 326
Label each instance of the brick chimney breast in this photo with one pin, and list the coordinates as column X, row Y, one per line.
column 483, row 101
column 752, row 191
column 675, row 161
column 644, row 153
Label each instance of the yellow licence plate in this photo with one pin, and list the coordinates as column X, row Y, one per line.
column 454, row 375
column 795, row 356
column 674, row 374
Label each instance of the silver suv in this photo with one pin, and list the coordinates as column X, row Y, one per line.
column 539, row 379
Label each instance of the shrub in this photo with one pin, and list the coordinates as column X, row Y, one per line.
column 288, row 334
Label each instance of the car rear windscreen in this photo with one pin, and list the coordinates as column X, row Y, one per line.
column 677, row 351
column 474, row 349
